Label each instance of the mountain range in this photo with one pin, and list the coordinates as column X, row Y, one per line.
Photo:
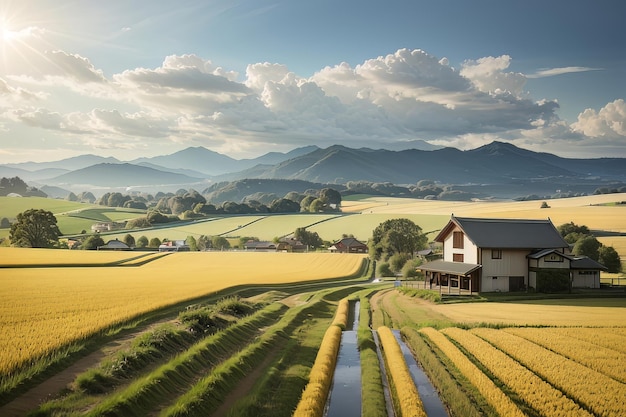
column 492, row 169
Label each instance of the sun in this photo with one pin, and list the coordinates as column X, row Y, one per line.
column 7, row 35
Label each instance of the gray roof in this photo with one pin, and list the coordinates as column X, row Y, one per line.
column 117, row 244
column 455, row 268
column 586, row 263
column 508, row 233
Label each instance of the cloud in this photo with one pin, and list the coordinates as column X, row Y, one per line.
column 399, row 97
column 72, row 66
column 608, row 123
column 488, row 75
column 550, row 72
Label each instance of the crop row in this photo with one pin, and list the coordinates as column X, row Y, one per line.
column 314, row 397
column 316, row 392
column 487, row 388
column 532, row 390
column 408, row 398
column 611, row 338
column 599, row 393
column 607, row 361
column 45, row 309
column 166, row 380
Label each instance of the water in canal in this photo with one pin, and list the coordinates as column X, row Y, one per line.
column 345, row 394
column 429, row 396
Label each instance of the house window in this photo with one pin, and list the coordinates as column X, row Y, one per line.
column 457, row 257
column 457, row 240
column 553, row 257
column 496, row 253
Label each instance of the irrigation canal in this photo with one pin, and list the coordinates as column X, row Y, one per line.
column 344, row 399
column 345, row 395
column 430, row 399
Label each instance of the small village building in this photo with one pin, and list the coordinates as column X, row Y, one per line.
column 261, row 246
column 501, row 255
column 348, row 245
column 174, row 246
column 107, row 226
column 114, row 244
column 290, row 244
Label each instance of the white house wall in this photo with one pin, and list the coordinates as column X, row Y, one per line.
column 590, row 280
column 469, row 251
column 513, row 264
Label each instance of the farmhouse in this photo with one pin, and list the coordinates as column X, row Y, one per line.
column 264, row 246
column 107, row 226
column 174, row 246
column 114, row 244
column 348, row 245
column 507, row 255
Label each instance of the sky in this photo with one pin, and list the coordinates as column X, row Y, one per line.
column 142, row 78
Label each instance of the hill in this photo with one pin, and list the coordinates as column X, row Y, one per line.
column 121, row 175
column 209, row 163
column 496, row 170
column 239, row 190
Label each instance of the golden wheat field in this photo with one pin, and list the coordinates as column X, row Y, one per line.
column 44, row 308
column 563, row 312
column 595, row 211
column 559, row 382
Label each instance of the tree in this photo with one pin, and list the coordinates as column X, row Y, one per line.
column 5, row 223
column 35, row 228
column 317, row 205
column 142, row 242
column 306, row 203
column 92, row 242
column 129, row 240
column 138, row 223
column 191, row 241
column 332, row 196
column 587, row 246
column 220, row 243
column 311, row 239
column 567, row 228
column 155, row 242
column 203, row 242
column 398, row 260
column 609, row 257
column 282, row 205
column 396, row 236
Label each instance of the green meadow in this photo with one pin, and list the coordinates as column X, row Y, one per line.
column 72, row 217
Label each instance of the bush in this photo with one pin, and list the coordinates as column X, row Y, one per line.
column 384, row 270
column 409, row 271
column 234, row 306
column 552, row 280
column 398, row 260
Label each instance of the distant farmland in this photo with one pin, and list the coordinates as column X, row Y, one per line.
column 359, row 218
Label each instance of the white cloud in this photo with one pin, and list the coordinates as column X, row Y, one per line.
column 399, row 97
column 488, row 75
column 609, row 122
column 551, row 72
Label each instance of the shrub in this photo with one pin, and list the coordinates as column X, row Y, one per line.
column 552, row 280
column 384, row 270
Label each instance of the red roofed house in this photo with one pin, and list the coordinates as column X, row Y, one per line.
column 349, row 245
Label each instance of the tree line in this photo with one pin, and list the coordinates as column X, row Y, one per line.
column 393, row 244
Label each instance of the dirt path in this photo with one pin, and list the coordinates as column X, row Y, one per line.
column 244, row 387
column 45, row 391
